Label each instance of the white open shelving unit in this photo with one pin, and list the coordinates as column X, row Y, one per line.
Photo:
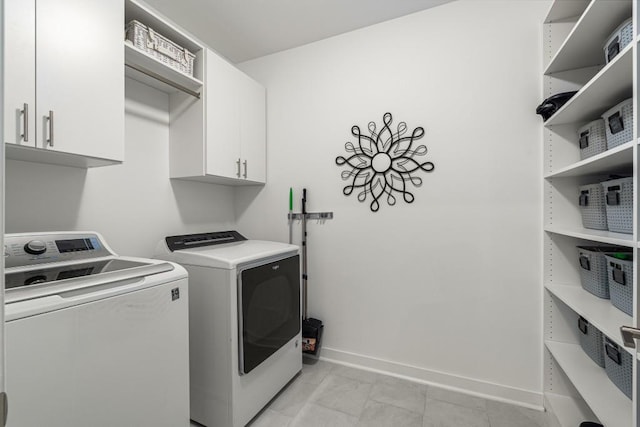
column 575, row 31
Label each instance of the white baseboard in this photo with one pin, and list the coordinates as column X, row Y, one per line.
column 486, row 390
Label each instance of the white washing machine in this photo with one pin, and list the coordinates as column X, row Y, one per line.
column 244, row 322
column 92, row 338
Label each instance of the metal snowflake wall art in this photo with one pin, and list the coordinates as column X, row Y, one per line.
column 383, row 162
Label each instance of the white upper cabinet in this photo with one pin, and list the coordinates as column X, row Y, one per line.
column 70, row 55
column 221, row 138
column 79, row 76
column 222, row 118
column 20, row 72
column 235, row 118
column 253, row 129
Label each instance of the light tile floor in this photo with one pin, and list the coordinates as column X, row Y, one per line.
column 330, row 395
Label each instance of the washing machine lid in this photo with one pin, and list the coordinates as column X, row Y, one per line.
column 38, row 265
column 224, row 255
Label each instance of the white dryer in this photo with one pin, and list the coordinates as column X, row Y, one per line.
column 244, row 322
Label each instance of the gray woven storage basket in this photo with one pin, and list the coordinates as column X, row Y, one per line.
column 592, row 139
column 592, row 207
column 622, row 36
column 618, row 366
column 591, row 341
column 160, row 47
column 619, row 123
column 620, row 277
column 619, row 204
column 593, row 268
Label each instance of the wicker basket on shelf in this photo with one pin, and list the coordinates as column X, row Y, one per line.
column 160, row 47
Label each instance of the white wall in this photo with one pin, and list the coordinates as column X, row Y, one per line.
column 447, row 289
column 133, row 205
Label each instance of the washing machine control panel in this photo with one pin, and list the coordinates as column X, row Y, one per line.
column 26, row 250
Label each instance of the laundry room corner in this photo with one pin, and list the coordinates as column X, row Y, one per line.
column 340, row 213
column 445, row 289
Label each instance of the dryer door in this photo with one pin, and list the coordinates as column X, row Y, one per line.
column 268, row 310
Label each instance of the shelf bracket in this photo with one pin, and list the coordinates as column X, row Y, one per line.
column 164, row 80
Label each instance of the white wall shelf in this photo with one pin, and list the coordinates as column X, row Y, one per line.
column 564, row 10
column 610, row 86
column 36, row 155
column 147, row 69
column 600, row 312
column 141, row 12
column 600, row 236
column 617, row 158
column 584, row 45
column 605, row 400
column 136, row 57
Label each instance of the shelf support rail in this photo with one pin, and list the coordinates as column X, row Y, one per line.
column 164, row 80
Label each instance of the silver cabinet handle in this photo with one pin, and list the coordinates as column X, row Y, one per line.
column 50, row 118
column 4, row 409
column 245, row 169
column 238, row 164
column 628, row 336
column 25, row 122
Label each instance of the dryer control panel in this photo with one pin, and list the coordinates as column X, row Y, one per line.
column 187, row 241
column 32, row 249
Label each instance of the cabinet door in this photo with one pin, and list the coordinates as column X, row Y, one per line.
column 223, row 118
column 19, row 71
column 79, row 77
column 253, row 130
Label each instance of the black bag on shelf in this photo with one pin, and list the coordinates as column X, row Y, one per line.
column 552, row 104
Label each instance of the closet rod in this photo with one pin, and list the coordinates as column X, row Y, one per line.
column 164, row 80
